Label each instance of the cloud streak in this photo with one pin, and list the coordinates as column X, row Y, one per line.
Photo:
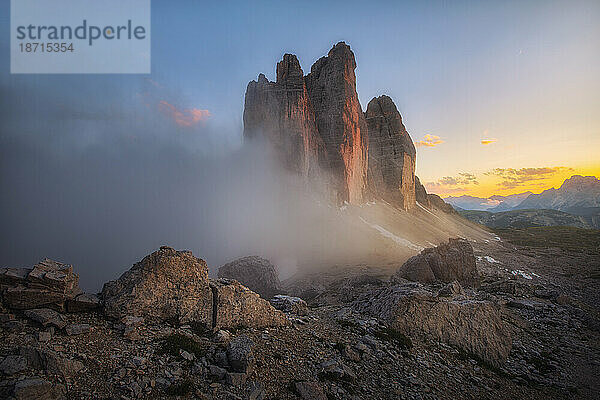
column 429, row 141
column 513, row 178
column 488, row 141
column 185, row 118
column 452, row 184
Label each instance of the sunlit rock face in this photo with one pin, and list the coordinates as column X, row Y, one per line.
column 315, row 122
column 340, row 121
column 392, row 155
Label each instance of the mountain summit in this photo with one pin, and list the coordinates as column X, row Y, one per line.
column 576, row 192
column 316, row 124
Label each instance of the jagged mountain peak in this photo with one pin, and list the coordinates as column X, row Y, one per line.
column 315, row 122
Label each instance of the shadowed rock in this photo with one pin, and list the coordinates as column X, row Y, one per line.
column 392, row 154
column 237, row 306
column 314, row 120
column 411, row 309
column 256, row 273
column 444, row 263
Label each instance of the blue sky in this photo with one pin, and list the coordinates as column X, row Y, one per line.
column 98, row 170
column 522, row 73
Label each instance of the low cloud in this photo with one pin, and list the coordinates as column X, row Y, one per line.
column 487, row 141
column 187, row 117
column 429, row 141
column 513, row 178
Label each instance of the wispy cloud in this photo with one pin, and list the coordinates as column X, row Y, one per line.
column 488, row 141
column 452, row 184
column 185, row 117
column 512, row 178
column 429, row 141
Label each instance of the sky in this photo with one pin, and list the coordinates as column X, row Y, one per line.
column 481, row 85
column 499, row 97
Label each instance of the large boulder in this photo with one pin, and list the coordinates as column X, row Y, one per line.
column 444, row 263
column 173, row 286
column 167, row 285
column 473, row 326
column 256, row 273
column 237, row 306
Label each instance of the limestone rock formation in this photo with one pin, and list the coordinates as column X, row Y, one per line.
column 281, row 113
column 314, row 120
column 421, row 193
column 173, row 286
column 47, row 284
column 256, row 273
column 444, row 263
column 290, row 305
column 392, row 154
column 237, row 306
column 341, row 124
column 317, row 128
column 166, row 285
column 411, row 309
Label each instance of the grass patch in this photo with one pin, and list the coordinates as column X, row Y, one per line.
column 175, row 342
column 180, row 388
column 392, row 335
column 563, row 237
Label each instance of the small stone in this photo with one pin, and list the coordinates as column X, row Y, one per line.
column 215, row 372
column 350, row 354
column 239, row 353
column 222, row 336
column 290, row 305
column 452, row 289
column 13, row 364
column 235, row 378
column 77, row 329
column 310, row 391
column 46, row 317
column 44, row 336
column 257, row 391
column 186, row 356
column 138, row 361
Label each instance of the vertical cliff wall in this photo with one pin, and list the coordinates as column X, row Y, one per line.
column 280, row 113
column 392, row 155
column 316, row 122
column 340, row 121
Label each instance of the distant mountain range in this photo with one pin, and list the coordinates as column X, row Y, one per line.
column 575, row 203
column 577, row 192
column 493, row 203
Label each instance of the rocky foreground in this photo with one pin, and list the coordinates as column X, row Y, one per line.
column 452, row 322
